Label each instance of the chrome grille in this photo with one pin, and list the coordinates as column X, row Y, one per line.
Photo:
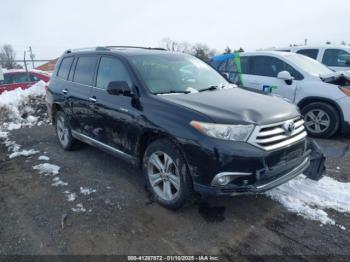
column 275, row 136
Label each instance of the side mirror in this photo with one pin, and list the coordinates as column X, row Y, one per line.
column 347, row 62
column 119, row 88
column 284, row 75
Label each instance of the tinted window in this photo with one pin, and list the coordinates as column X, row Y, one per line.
column 312, row 53
column 222, row 66
column 34, row 78
column 111, row 69
column 19, row 78
column 65, row 67
column 245, row 65
column 271, row 66
column 85, row 69
column 336, row 57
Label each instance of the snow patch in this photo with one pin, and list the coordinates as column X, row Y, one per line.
column 47, row 169
column 79, row 208
column 87, row 191
column 3, row 135
column 71, row 197
column 24, row 153
column 43, row 158
column 58, row 182
column 311, row 199
column 18, row 107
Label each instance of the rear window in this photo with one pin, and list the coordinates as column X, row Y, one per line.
column 312, row 53
column 66, row 63
column 85, row 70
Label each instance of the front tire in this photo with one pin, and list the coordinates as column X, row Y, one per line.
column 64, row 132
column 167, row 176
column 321, row 119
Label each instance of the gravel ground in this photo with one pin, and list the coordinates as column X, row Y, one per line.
column 36, row 217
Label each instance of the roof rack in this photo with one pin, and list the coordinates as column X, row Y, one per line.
column 108, row 48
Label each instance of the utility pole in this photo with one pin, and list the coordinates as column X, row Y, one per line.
column 31, row 55
column 25, row 66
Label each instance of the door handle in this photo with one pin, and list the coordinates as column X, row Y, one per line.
column 92, row 99
column 65, row 91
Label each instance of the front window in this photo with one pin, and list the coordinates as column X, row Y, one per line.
column 336, row 57
column 176, row 73
column 309, row 65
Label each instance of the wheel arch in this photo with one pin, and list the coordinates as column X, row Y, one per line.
column 54, row 109
column 313, row 99
column 148, row 137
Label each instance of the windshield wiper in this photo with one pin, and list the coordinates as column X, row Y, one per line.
column 172, row 92
column 210, row 88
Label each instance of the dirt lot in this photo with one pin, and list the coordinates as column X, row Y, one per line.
column 36, row 218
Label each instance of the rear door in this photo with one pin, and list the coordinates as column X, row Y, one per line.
column 80, row 92
column 112, row 114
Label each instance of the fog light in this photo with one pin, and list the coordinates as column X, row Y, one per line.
column 223, row 180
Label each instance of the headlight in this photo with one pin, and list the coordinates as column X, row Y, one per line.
column 345, row 90
column 226, row 132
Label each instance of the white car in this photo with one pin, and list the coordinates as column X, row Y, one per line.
column 322, row 95
column 335, row 57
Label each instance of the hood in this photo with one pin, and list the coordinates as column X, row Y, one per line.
column 237, row 106
column 341, row 78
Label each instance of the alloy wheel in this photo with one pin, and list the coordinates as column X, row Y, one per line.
column 317, row 121
column 62, row 131
column 163, row 175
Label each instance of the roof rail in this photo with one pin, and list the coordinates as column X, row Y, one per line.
column 108, row 48
column 97, row 48
column 137, row 47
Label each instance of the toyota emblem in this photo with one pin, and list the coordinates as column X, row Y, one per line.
column 289, row 127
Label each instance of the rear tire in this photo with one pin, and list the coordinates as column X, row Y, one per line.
column 321, row 119
column 64, row 132
column 167, row 176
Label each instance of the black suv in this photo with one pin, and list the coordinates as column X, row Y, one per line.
column 180, row 120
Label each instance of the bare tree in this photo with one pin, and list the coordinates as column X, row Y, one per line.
column 240, row 50
column 227, row 50
column 7, row 57
column 175, row 46
column 202, row 51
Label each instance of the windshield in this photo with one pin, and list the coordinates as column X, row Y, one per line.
column 309, row 65
column 171, row 73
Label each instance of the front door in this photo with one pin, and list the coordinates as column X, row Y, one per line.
column 263, row 73
column 112, row 114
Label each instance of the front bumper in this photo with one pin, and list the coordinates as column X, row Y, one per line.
column 258, row 187
column 261, row 170
column 344, row 107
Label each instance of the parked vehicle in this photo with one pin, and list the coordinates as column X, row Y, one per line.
column 173, row 115
column 334, row 56
column 13, row 79
column 321, row 94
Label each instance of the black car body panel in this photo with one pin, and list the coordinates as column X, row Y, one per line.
column 122, row 125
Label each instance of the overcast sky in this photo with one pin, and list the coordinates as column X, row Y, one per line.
column 51, row 26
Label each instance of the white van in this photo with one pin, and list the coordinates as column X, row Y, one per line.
column 335, row 57
column 322, row 95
